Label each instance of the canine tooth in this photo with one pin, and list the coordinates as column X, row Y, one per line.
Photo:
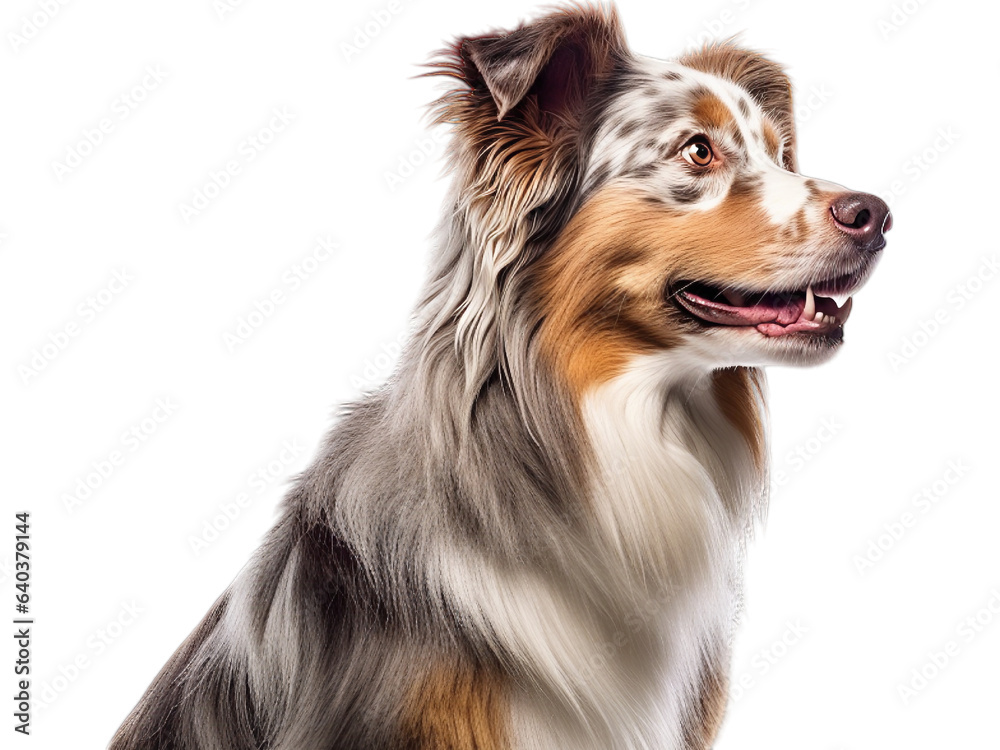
column 844, row 312
column 810, row 309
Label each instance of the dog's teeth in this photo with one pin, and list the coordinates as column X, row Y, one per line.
column 734, row 298
column 844, row 312
column 810, row 309
column 818, row 318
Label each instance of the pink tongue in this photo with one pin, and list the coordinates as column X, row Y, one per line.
column 771, row 309
column 825, row 305
column 774, row 315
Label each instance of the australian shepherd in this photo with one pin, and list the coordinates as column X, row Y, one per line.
column 532, row 536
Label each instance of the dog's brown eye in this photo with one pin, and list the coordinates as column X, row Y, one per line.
column 698, row 153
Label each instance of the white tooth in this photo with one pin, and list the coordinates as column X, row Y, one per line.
column 818, row 318
column 844, row 312
column 810, row 309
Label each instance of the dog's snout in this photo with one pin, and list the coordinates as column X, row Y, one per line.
column 864, row 217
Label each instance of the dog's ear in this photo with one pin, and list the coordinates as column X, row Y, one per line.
column 763, row 79
column 554, row 60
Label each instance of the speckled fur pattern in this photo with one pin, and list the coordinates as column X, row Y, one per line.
column 532, row 536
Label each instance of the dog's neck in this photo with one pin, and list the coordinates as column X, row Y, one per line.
column 640, row 582
column 591, row 541
column 679, row 478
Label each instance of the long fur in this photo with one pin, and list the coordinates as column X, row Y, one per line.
column 525, row 539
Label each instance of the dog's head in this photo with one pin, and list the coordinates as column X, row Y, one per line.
column 642, row 205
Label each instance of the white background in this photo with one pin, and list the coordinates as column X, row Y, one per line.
column 874, row 89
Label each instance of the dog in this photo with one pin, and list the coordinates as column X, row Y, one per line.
column 532, row 535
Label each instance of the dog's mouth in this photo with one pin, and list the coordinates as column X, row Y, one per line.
column 819, row 309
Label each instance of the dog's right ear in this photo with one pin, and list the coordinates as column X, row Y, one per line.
column 553, row 61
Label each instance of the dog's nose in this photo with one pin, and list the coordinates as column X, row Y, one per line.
column 864, row 217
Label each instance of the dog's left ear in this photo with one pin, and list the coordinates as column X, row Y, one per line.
column 555, row 60
column 763, row 79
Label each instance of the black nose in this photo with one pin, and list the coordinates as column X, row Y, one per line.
column 864, row 217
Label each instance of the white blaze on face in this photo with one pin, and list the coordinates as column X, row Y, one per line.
column 783, row 193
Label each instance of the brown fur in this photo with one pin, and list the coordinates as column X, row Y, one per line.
column 516, row 139
column 709, row 110
column 596, row 316
column 504, row 70
column 603, row 284
column 457, row 708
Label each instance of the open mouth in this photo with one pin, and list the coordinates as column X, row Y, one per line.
column 803, row 311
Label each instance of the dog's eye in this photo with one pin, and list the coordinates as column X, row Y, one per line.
column 698, row 153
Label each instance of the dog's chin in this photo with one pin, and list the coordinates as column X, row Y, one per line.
column 747, row 347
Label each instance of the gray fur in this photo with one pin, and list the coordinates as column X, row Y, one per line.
column 472, row 445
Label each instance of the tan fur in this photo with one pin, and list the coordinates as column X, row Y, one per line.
column 709, row 110
column 739, row 392
column 600, row 311
column 457, row 709
column 604, row 282
column 709, row 710
column 772, row 141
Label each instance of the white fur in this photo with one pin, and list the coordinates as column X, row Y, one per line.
column 673, row 498
column 671, row 513
column 784, row 194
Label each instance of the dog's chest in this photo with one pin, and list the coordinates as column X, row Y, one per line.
column 668, row 525
column 669, row 473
